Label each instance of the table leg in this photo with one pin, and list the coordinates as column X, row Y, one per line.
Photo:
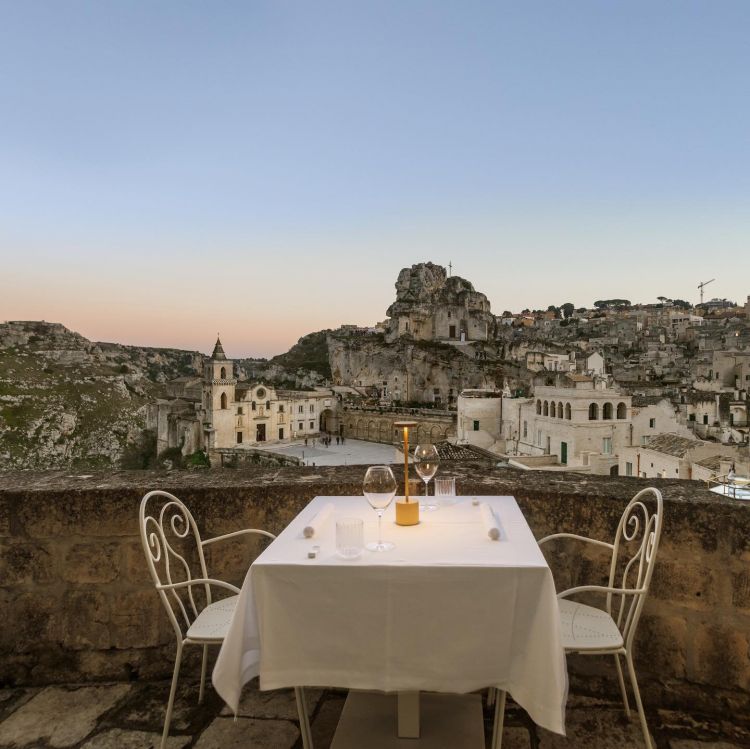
column 497, row 728
column 304, row 720
column 408, row 715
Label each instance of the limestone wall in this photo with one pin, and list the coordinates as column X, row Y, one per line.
column 77, row 603
column 377, row 426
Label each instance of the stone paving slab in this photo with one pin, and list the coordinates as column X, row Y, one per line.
column 686, row 727
column 690, row 744
column 118, row 738
column 326, row 719
column 514, row 737
column 227, row 733
column 279, row 703
column 145, row 707
column 602, row 728
column 12, row 699
column 125, row 716
column 60, row 716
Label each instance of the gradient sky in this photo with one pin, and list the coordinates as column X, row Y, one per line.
column 265, row 169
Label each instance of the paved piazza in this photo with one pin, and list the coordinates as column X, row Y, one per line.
column 352, row 452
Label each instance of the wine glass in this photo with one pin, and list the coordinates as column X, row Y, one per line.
column 426, row 462
column 379, row 488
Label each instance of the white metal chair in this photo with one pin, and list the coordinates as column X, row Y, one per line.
column 171, row 540
column 611, row 630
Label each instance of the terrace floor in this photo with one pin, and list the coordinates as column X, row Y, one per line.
column 129, row 716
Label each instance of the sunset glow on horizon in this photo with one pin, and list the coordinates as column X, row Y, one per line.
column 264, row 170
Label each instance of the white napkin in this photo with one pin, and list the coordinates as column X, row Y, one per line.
column 317, row 523
column 490, row 522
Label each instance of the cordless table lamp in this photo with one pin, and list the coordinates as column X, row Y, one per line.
column 407, row 511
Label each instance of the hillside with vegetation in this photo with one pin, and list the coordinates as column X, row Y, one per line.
column 309, row 354
column 66, row 401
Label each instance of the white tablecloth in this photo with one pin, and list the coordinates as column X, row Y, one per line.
column 447, row 610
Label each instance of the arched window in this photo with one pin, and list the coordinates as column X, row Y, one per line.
column 223, row 400
column 539, row 407
column 593, row 412
column 622, row 411
column 546, row 408
column 567, row 411
column 607, row 411
column 223, row 373
column 552, row 409
column 560, row 410
column 268, row 405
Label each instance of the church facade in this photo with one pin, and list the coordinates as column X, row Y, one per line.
column 218, row 412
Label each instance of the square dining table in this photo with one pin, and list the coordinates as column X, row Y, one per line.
column 447, row 610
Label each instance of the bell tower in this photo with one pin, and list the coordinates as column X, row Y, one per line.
column 218, row 399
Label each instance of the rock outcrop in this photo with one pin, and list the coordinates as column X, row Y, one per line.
column 432, row 306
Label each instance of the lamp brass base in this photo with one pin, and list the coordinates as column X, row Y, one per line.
column 407, row 513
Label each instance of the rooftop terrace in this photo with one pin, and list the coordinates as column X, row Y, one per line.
column 85, row 646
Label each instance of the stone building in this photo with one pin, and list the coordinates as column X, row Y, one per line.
column 669, row 456
column 587, row 422
column 480, row 418
column 575, row 419
column 432, row 306
column 220, row 412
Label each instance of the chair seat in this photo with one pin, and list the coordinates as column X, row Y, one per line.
column 587, row 628
column 213, row 622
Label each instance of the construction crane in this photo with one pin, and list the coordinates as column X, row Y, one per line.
column 702, row 284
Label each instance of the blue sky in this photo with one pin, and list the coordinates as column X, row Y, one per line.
column 170, row 169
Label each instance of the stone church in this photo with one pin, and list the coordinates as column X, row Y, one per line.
column 217, row 411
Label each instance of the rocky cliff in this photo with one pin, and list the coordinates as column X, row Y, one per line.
column 413, row 370
column 66, row 401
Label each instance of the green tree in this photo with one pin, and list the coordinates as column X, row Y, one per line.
column 567, row 309
column 610, row 303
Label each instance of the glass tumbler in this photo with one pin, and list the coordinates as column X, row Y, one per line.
column 445, row 490
column 350, row 537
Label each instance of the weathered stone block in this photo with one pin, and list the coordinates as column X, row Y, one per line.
column 230, row 560
column 28, row 621
column 85, row 620
column 92, row 563
column 661, row 646
column 4, row 519
column 27, row 563
column 134, row 562
column 692, row 584
column 122, row 665
column 741, row 590
column 88, row 513
column 722, row 656
column 134, row 620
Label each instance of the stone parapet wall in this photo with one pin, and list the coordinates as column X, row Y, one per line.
column 78, row 605
column 377, row 426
